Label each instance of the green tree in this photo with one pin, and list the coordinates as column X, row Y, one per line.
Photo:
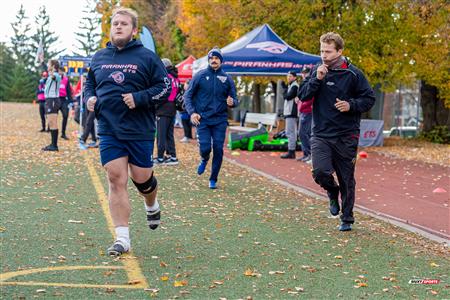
column 21, row 43
column 45, row 35
column 88, row 36
column 7, row 64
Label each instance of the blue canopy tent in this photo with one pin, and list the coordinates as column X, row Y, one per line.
column 260, row 52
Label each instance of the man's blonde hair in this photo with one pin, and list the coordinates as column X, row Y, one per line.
column 125, row 11
column 332, row 37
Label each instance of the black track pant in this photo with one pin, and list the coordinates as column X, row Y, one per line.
column 336, row 154
column 166, row 140
column 42, row 113
column 65, row 114
column 187, row 127
column 89, row 127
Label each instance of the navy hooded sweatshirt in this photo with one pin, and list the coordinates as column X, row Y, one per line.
column 346, row 83
column 207, row 95
column 132, row 69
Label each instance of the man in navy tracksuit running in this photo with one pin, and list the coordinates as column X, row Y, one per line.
column 341, row 93
column 124, row 84
column 210, row 93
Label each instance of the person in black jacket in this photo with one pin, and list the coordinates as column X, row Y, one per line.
column 290, row 114
column 124, row 83
column 341, row 93
column 165, row 114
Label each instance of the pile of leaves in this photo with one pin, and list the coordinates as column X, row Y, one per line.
column 414, row 149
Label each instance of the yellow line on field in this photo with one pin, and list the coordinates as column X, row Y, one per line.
column 132, row 267
column 72, row 285
column 8, row 275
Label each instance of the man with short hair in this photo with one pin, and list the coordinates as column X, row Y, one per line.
column 341, row 93
column 123, row 85
column 207, row 99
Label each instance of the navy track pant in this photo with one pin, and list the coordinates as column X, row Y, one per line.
column 212, row 137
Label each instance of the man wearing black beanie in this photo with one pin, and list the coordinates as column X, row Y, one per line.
column 207, row 99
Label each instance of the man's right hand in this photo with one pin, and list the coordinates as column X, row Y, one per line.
column 91, row 103
column 322, row 70
column 195, row 119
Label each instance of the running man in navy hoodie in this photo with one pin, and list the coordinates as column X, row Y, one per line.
column 123, row 85
column 341, row 93
column 210, row 93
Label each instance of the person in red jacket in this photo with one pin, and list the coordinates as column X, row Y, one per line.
column 304, row 122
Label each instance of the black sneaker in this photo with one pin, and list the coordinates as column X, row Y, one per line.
column 171, row 161
column 345, row 227
column 117, row 249
column 153, row 218
column 334, row 202
column 159, row 161
column 64, row 137
column 50, row 148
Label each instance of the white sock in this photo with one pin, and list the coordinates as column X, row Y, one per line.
column 154, row 207
column 123, row 235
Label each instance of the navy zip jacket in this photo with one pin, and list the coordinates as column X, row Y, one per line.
column 346, row 83
column 207, row 95
column 132, row 69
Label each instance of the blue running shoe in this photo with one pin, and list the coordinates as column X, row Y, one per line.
column 212, row 184
column 202, row 167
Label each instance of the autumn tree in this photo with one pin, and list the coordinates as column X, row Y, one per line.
column 105, row 9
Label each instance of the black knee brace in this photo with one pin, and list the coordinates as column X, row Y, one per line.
column 147, row 187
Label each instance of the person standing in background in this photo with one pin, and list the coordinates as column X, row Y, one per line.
column 52, row 102
column 165, row 113
column 290, row 114
column 65, row 94
column 186, row 121
column 40, row 94
column 304, row 122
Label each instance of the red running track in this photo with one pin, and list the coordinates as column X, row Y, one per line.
column 395, row 188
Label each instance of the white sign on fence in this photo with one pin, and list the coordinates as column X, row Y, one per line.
column 371, row 133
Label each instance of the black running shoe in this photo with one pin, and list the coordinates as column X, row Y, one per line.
column 117, row 249
column 334, row 202
column 153, row 218
column 50, row 148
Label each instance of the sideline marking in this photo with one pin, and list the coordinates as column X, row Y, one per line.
column 132, row 267
column 9, row 275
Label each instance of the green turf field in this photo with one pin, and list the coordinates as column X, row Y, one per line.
column 250, row 238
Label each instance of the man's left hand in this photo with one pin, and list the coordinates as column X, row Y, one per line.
column 230, row 101
column 129, row 100
column 342, row 105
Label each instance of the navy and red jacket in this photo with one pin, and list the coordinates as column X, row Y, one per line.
column 132, row 69
column 207, row 95
column 346, row 83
